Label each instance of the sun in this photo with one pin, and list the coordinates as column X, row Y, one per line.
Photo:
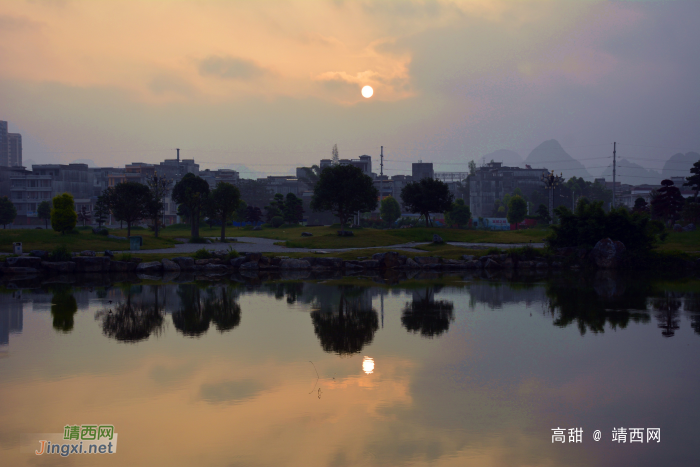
column 367, row 92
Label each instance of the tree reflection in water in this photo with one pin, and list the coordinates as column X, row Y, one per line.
column 692, row 306
column 667, row 313
column 591, row 302
column 133, row 322
column 426, row 316
column 292, row 290
column 63, row 307
column 199, row 306
column 347, row 328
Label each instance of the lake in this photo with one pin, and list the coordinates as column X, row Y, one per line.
column 357, row 371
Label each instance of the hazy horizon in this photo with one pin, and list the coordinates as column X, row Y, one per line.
column 272, row 85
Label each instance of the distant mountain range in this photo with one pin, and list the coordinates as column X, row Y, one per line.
column 551, row 155
column 633, row 174
column 679, row 165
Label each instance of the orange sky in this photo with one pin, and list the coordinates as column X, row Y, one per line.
column 278, row 82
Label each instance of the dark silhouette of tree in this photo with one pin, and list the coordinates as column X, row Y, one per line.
column 346, row 329
column 63, row 307
column 426, row 196
column 192, row 192
column 426, row 316
column 293, row 209
column 199, row 309
column 132, row 322
column 390, row 210
column 640, row 206
column 517, row 209
column 311, row 175
column 543, row 214
column 275, row 208
column 459, row 214
column 223, row 202
column 291, row 290
column 43, row 211
column 63, row 215
column 129, row 202
column 254, row 193
column 667, row 314
column 101, row 210
column 8, row 212
column 668, row 201
column 253, row 214
column 222, row 307
column 694, row 180
column 344, row 190
column 592, row 301
column 160, row 187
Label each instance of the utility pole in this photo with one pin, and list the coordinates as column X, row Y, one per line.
column 614, row 171
column 381, row 175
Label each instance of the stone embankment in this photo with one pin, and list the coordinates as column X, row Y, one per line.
column 607, row 254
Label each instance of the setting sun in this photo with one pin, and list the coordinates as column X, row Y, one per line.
column 367, row 91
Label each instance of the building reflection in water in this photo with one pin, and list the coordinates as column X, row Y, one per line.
column 11, row 315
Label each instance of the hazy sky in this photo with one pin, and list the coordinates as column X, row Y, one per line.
column 272, row 84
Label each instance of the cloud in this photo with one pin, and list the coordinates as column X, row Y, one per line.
column 167, row 83
column 17, row 23
column 229, row 391
column 231, row 68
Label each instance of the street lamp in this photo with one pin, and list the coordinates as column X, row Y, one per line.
column 551, row 181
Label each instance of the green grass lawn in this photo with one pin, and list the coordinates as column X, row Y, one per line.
column 34, row 239
column 688, row 242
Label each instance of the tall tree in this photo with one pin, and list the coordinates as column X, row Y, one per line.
column 275, row 208
column 63, row 215
column 223, row 202
column 668, row 201
column 517, row 210
column 390, row 210
column 192, row 191
column 101, row 210
column 472, row 167
column 335, row 155
column 426, row 196
column 160, row 187
column 130, row 202
column 43, row 211
column 459, row 214
column 293, row 209
column 344, row 190
column 8, row 212
column 694, row 180
column 253, row 214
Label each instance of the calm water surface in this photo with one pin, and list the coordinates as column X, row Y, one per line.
column 450, row 372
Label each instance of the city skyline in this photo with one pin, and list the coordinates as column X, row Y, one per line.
column 271, row 86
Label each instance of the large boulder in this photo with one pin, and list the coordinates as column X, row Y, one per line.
column 345, row 233
column 473, row 264
column 491, row 264
column 185, row 262
column 238, row 262
column 325, row 263
column 216, row 268
column 677, row 228
column 411, row 264
column 371, row 264
column 91, row 263
column 294, row 264
column 387, row 260
column 150, row 267
column 250, row 265
column 17, row 271
column 307, row 234
column 253, row 257
column 689, row 228
column 425, row 260
column 122, row 266
column 438, row 239
column 170, row 266
column 87, row 253
column 44, row 255
column 23, row 262
column 608, row 253
column 58, row 267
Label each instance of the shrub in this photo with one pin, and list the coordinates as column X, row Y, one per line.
column 125, row 257
column 202, row 253
column 277, row 221
column 60, row 253
column 590, row 223
column 231, row 254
